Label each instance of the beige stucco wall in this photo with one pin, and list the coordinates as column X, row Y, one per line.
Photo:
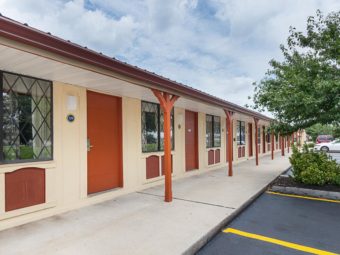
column 66, row 175
column 247, row 120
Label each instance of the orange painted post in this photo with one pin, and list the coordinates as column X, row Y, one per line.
column 256, row 141
column 230, row 141
column 272, row 136
column 166, row 102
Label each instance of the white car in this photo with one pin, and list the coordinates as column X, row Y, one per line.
column 331, row 146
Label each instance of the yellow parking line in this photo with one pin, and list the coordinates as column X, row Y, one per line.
column 278, row 242
column 305, row 197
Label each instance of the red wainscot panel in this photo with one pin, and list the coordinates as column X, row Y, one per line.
column 172, row 164
column 241, row 151
column 152, row 167
column 217, row 156
column 211, row 158
column 24, row 187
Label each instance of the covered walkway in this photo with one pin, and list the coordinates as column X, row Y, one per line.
column 141, row 223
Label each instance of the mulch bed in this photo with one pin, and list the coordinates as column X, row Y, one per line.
column 289, row 182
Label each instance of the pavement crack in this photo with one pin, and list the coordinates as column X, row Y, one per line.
column 188, row 200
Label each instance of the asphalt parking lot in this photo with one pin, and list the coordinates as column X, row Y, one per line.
column 277, row 224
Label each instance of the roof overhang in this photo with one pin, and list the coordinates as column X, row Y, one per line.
column 23, row 34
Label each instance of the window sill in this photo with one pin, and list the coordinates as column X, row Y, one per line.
column 156, row 153
column 213, row 148
column 6, row 168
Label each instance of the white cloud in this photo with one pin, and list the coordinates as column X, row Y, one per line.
column 219, row 46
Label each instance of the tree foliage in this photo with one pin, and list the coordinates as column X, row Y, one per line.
column 304, row 88
column 319, row 129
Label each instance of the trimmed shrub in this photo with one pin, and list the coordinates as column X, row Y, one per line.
column 337, row 180
column 313, row 176
column 314, row 168
column 311, row 145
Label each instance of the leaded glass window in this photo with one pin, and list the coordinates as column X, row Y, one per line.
column 213, row 131
column 217, row 131
column 259, row 135
column 161, row 119
column 241, row 132
column 268, row 136
column 153, row 127
column 209, row 130
column 26, row 118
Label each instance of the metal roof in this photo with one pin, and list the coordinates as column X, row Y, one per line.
column 23, row 33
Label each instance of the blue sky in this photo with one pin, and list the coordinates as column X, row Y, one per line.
column 219, row 46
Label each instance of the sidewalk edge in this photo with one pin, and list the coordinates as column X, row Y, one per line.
column 215, row 230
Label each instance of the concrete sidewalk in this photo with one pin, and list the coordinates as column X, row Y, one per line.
column 141, row 223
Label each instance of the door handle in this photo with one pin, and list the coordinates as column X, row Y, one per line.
column 89, row 146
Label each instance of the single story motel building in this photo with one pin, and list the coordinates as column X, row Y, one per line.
column 79, row 128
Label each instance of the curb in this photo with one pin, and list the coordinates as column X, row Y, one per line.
column 307, row 192
column 215, row 230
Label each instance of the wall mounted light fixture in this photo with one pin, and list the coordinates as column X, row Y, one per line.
column 71, row 103
column 180, row 119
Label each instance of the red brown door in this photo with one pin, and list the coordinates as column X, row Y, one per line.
column 191, row 140
column 104, row 133
column 250, row 139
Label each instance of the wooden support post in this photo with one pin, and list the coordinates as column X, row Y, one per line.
column 282, row 146
column 272, row 138
column 288, row 143
column 256, row 120
column 229, row 115
column 166, row 102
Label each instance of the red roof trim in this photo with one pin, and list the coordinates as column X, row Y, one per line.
column 22, row 33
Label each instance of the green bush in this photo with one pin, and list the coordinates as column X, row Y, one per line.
column 312, row 175
column 337, row 180
column 26, row 152
column 314, row 168
column 311, row 145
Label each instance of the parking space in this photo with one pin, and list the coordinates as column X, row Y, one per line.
column 278, row 224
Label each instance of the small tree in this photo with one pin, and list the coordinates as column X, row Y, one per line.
column 319, row 129
column 336, row 132
column 304, row 89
